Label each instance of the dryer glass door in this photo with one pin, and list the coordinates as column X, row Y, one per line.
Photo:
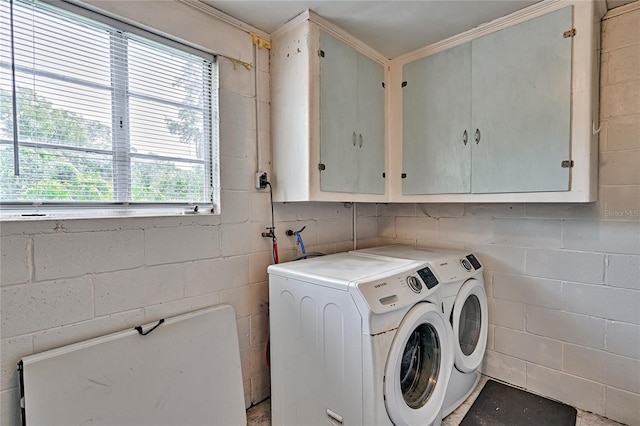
column 470, row 325
column 418, row 367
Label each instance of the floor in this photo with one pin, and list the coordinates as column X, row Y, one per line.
column 260, row 415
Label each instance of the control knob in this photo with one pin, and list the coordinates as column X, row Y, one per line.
column 465, row 264
column 414, row 284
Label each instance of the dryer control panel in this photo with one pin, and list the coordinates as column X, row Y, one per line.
column 399, row 290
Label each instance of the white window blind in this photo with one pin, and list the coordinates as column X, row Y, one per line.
column 97, row 112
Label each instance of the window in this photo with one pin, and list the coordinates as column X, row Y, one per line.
column 96, row 112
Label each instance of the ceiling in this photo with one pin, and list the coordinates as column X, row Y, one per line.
column 390, row 27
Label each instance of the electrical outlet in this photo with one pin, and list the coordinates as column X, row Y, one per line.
column 261, row 180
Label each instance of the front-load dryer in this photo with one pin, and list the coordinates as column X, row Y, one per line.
column 465, row 306
column 357, row 340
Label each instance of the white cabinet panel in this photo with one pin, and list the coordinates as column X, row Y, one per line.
column 521, row 85
column 436, row 151
column 338, row 115
column 508, row 94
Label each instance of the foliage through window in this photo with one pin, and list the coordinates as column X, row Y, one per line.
column 95, row 111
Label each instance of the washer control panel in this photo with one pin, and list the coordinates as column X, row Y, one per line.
column 414, row 283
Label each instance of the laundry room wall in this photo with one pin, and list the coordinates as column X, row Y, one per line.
column 563, row 280
column 63, row 281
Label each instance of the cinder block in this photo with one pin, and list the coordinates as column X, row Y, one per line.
column 620, row 168
column 620, row 31
column 528, row 347
column 367, row 227
column 12, row 350
column 441, row 210
column 237, row 173
column 469, row 230
column 572, row 390
column 619, row 203
column 264, row 86
column 529, row 290
column 14, row 259
column 504, row 313
column 602, row 301
column 235, row 206
column 397, row 209
column 622, row 406
column 253, row 361
column 247, row 300
column 528, row 233
column 603, row 367
column 31, row 307
column 505, row 368
column 259, row 328
column 260, row 386
column 562, row 211
column 623, row 133
column 387, row 227
column 125, row 290
column 624, row 64
column 237, row 141
column 623, row 339
column 623, row 271
column 235, row 78
column 258, row 264
column 10, row 407
column 84, row 330
column 210, row 276
column 333, row 230
column 73, row 254
column 573, row 328
column 620, row 99
column 180, row 244
column 176, row 307
column 244, row 332
column 565, row 265
column 237, row 109
column 494, row 210
column 603, row 236
column 500, row 258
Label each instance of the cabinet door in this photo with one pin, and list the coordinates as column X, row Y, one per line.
column 436, row 118
column 521, row 104
column 338, row 116
column 370, row 127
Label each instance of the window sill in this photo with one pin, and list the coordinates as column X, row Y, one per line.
column 15, row 214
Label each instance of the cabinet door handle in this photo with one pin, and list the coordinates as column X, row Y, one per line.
column 360, row 140
column 465, row 138
column 354, row 137
column 477, row 136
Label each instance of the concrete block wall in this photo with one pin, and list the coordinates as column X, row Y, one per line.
column 563, row 280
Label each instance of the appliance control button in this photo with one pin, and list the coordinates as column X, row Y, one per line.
column 466, row 265
column 414, row 284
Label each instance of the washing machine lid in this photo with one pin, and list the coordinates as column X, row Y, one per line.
column 341, row 270
column 470, row 325
column 418, row 367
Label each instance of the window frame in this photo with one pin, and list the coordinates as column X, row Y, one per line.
column 121, row 144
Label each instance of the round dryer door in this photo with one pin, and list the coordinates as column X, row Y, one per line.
column 470, row 325
column 418, row 367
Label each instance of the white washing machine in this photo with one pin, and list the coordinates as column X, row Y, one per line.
column 357, row 340
column 465, row 307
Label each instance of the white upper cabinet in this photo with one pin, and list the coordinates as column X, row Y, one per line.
column 328, row 115
column 492, row 115
column 505, row 112
column 351, row 119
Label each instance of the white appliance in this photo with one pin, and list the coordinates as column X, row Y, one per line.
column 465, row 307
column 359, row 340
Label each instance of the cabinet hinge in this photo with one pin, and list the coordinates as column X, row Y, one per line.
column 384, row 175
column 321, row 53
column 569, row 33
column 321, row 166
column 404, row 84
column 383, row 86
column 404, row 175
column 567, row 164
